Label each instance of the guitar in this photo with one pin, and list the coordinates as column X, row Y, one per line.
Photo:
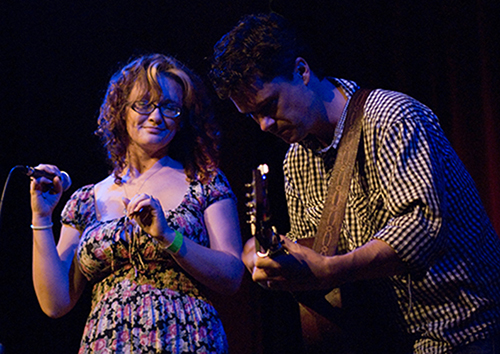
column 319, row 311
column 267, row 240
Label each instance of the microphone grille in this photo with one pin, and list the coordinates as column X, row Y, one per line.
column 65, row 180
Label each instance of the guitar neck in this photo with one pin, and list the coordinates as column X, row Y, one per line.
column 267, row 239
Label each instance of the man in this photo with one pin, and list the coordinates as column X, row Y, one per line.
column 414, row 223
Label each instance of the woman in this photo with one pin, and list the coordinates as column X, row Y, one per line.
column 152, row 235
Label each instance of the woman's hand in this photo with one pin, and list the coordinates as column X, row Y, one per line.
column 45, row 194
column 148, row 213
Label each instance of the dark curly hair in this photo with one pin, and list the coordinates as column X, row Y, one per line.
column 195, row 144
column 262, row 46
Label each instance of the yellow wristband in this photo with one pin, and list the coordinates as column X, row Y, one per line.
column 177, row 244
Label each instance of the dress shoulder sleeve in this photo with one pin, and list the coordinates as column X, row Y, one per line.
column 79, row 209
column 218, row 189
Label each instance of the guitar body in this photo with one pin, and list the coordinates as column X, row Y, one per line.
column 348, row 320
column 321, row 318
column 320, row 312
column 321, row 335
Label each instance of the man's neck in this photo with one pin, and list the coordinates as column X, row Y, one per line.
column 334, row 100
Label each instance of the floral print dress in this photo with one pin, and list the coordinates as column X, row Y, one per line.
column 142, row 301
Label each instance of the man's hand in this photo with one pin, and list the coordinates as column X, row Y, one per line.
column 297, row 269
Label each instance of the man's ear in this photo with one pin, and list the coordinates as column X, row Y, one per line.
column 302, row 69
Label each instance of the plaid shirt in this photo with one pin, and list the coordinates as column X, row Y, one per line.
column 409, row 189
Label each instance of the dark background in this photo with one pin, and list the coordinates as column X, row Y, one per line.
column 56, row 58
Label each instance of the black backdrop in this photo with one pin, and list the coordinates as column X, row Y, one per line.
column 56, row 58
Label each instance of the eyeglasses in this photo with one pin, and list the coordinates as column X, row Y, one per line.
column 168, row 109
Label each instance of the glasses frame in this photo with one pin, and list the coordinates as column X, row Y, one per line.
column 153, row 106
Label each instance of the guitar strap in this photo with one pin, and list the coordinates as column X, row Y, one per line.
column 330, row 224
column 322, row 320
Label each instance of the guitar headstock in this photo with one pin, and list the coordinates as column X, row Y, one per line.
column 265, row 235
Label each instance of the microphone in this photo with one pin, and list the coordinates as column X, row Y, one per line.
column 32, row 172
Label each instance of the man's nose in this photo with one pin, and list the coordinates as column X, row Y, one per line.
column 266, row 123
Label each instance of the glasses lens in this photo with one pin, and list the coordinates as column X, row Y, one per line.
column 143, row 107
column 170, row 110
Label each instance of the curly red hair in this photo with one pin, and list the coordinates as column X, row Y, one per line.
column 195, row 145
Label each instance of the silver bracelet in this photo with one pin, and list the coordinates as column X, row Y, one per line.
column 43, row 227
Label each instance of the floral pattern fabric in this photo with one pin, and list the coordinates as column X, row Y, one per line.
column 142, row 301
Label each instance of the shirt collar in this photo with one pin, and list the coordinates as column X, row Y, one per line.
column 310, row 142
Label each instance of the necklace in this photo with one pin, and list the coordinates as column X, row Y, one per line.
column 132, row 231
column 140, row 187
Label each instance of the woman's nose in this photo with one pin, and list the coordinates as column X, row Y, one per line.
column 156, row 116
